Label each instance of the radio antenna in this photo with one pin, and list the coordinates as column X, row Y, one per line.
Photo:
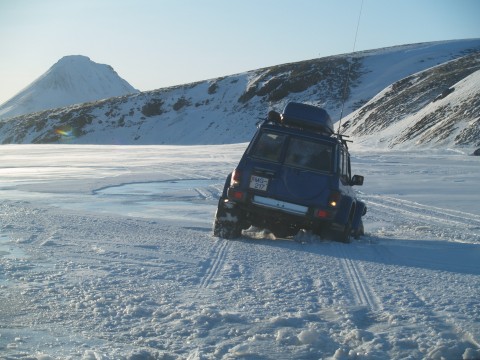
column 349, row 69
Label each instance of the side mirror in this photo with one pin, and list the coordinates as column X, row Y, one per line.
column 356, row 180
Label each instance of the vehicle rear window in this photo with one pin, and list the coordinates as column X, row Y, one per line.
column 269, row 147
column 309, row 155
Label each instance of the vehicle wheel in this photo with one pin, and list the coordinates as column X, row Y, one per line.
column 320, row 231
column 282, row 231
column 227, row 223
column 345, row 234
column 360, row 231
column 226, row 229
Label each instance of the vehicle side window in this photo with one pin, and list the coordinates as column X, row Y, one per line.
column 344, row 165
column 308, row 154
column 269, row 147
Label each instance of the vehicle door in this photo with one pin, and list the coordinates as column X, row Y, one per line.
column 345, row 174
column 307, row 171
column 262, row 167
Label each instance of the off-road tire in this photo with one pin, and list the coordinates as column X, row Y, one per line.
column 359, row 232
column 345, row 235
column 226, row 229
column 227, row 223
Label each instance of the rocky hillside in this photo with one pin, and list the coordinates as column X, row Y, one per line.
column 225, row 110
column 436, row 107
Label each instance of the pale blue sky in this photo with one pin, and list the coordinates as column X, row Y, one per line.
column 158, row 43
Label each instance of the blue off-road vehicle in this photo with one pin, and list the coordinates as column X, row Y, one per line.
column 295, row 174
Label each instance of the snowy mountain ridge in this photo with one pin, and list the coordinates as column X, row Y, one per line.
column 72, row 80
column 225, row 110
column 437, row 107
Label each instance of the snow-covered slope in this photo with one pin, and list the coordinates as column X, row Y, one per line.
column 73, row 79
column 225, row 110
column 437, row 107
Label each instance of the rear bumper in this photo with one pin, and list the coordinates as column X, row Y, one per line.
column 284, row 206
column 264, row 211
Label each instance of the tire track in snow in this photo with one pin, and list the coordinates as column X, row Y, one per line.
column 363, row 293
column 452, row 223
column 432, row 212
column 453, row 217
column 210, row 192
column 218, row 256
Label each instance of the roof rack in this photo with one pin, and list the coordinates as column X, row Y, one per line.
column 344, row 141
column 319, row 122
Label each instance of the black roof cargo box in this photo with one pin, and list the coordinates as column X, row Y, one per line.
column 308, row 117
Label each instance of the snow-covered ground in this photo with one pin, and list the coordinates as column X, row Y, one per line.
column 106, row 252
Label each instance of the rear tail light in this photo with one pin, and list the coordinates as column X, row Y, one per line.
column 236, row 177
column 322, row 214
column 334, row 199
column 237, row 195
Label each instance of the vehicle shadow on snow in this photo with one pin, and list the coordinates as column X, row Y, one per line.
column 455, row 257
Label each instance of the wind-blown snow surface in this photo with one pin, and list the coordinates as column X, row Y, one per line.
column 106, row 252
